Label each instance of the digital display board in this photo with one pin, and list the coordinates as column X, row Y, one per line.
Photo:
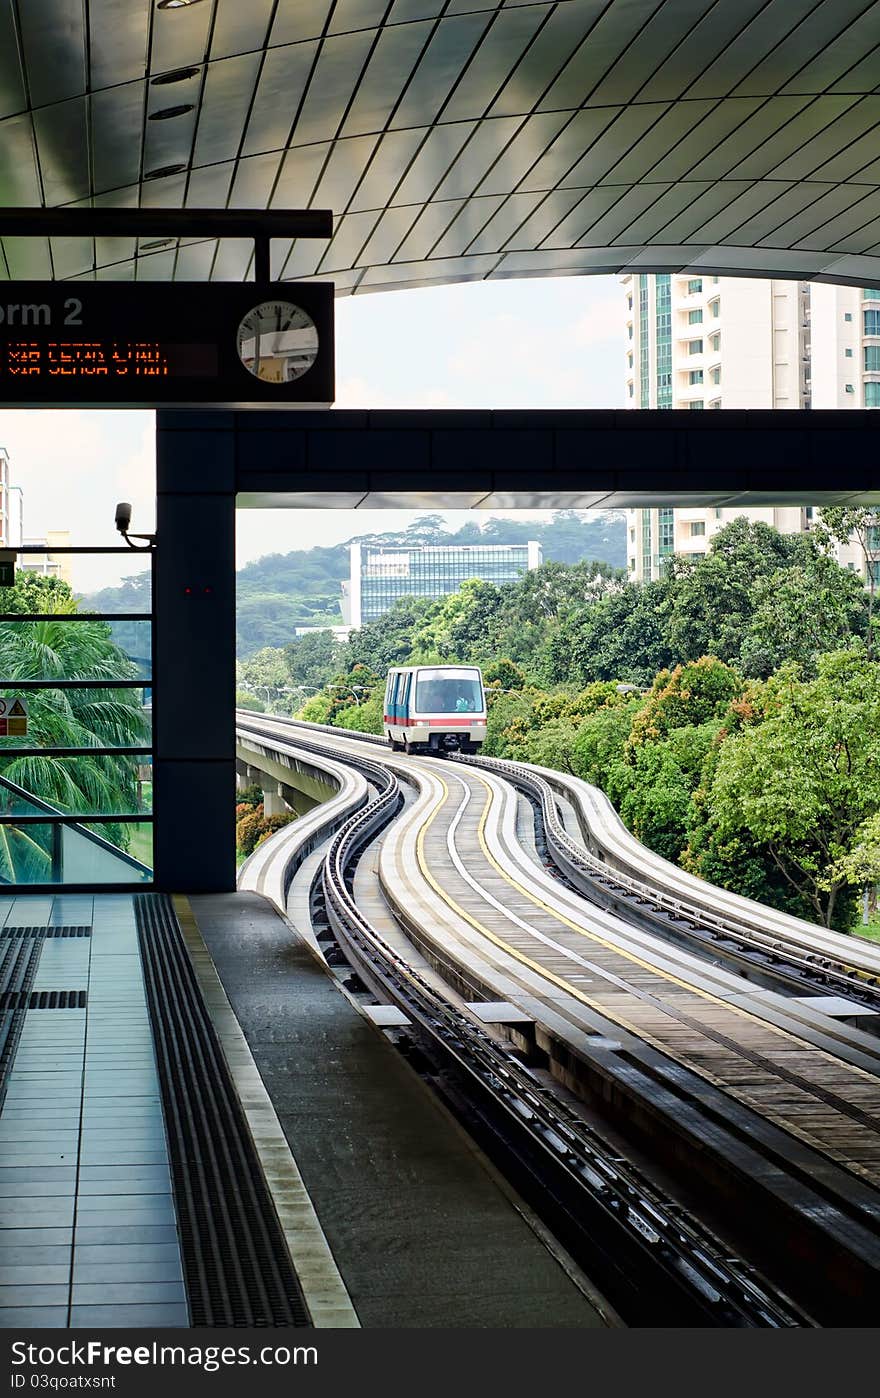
column 149, row 344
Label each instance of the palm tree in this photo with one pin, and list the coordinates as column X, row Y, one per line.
column 65, row 718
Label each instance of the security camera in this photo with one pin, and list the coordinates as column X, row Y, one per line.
column 123, row 516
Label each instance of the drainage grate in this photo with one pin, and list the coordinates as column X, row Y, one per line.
column 43, row 932
column 236, row 1264
column 19, row 959
column 43, row 1000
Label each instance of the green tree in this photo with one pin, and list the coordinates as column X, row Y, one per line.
column 802, row 780
column 840, row 524
column 312, row 659
column 265, row 673
column 620, row 637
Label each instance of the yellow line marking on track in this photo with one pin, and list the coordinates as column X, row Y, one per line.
column 698, row 1069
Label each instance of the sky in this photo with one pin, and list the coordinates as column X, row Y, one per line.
column 541, row 343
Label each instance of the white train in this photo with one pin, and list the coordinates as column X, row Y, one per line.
column 435, row 708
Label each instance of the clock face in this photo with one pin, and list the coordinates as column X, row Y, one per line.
column 277, row 342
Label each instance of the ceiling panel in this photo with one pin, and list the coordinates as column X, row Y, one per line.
column 588, row 209
column 356, row 14
column 647, row 226
column 18, row 169
column 789, row 139
column 720, row 228
column 514, row 212
column 615, row 225
column 487, row 143
column 464, row 139
column 553, row 47
column 239, row 28
column 748, row 137
column 283, row 80
column 436, row 154
column 393, row 155
column 563, row 153
column 830, row 63
column 352, row 231
column 494, row 61
column 12, row 98
column 27, row 259
column 233, row 260
column 396, row 55
column 716, row 126
column 466, row 226
column 673, row 127
column 332, row 86
column 194, row 261
column 389, row 232
column 843, row 230
column 180, row 36
column 428, row 228
column 449, row 49
column 769, row 222
column 863, row 116
column 299, row 19
column 617, row 141
column 758, row 36
column 116, row 127
column 118, row 38
column 342, row 172
column 608, row 33
column 821, row 27
column 53, row 39
column 224, row 110
column 254, row 180
column 209, row 187
column 63, row 151
column 669, row 25
column 552, row 210
column 687, row 62
column 700, row 208
column 528, row 145
column 300, row 172
column 72, row 257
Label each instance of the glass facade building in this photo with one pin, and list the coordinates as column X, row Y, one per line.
column 380, row 577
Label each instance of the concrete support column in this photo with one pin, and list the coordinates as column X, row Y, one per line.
column 273, row 800
column 194, row 653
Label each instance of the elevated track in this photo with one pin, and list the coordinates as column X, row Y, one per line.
column 769, row 1106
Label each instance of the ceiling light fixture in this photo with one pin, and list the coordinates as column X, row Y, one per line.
column 156, row 244
column 174, row 4
column 162, row 171
column 177, row 75
column 166, row 113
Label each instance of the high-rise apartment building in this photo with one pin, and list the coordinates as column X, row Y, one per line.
column 698, row 342
column 11, row 509
column 381, row 576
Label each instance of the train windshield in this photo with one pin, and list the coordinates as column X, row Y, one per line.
column 448, row 692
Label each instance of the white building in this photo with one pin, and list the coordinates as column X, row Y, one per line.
column 697, row 342
column 11, row 506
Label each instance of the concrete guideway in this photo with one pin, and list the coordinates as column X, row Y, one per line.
column 719, row 1020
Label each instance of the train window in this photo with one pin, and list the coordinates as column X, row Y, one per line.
column 442, row 692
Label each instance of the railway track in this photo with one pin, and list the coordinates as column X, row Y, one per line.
column 780, row 1107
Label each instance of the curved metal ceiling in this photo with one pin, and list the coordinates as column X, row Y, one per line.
column 455, row 141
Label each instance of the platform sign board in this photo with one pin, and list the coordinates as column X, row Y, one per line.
column 166, row 344
column 13, row 717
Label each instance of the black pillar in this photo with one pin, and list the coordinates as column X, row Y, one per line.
column 194, row 653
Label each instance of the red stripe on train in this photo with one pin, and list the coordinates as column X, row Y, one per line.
column 431, row 722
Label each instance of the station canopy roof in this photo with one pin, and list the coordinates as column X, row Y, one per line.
column 454, row 141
